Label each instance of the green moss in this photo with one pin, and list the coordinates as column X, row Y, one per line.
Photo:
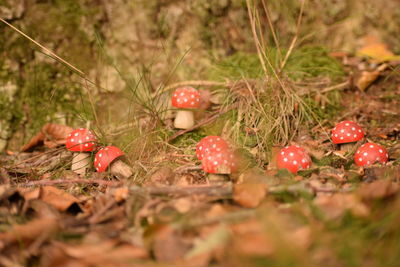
column 303, row 63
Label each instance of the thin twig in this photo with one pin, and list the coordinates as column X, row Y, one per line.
column 294, row 40
column 188, row 168
column 51, row 53
column 69, row 181
column 226, row 191
column 215, row 191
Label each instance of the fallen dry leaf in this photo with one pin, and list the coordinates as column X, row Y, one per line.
column 162, row 176
column 249, row 239
column 51, row 135
column 249, row 195
column 60, row 199
column 105, row 253
column 378, row 189
column 366, row 79
column 335, row 206
column 26, row 233
column 183, row 204
column 376, row 50
column 121, row 194
column 168, row 245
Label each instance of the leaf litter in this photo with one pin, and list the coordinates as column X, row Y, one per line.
column 51, row 217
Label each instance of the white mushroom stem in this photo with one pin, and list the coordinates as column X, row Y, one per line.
column 121, row 169
column 80, row 162
column 184, row 119
column 347, row 147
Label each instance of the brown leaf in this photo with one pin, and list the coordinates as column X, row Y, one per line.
column 249, row 195
column 162, row 176
column 168, row 245
column 61, row 200
column 105, row 253
column 51, row 135
column 183, row 204
column 366, row 79
column 249, row 239
column 378, row 189
column 121, row 194
column 28, row 232
column 335, row 206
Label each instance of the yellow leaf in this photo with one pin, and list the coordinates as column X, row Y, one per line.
column 376, row 50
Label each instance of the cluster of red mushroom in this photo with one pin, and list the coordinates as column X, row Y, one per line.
column 348, row 132
column 83, row 142
column 216, row 157
column 344, row 134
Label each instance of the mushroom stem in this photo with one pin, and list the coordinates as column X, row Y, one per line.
column 121, row 169
column 80, row 162
column 215, row 179
column 184, row 119
column 346, row 147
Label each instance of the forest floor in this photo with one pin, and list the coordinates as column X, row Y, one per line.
column 335, row 213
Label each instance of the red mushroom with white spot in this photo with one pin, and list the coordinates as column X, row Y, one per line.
column 293, row 158
column 219, row 164
column 107, row 158
column 369, row 153
column 210, row 144
column 185, row 99
column 345, row 133
column 81, row 141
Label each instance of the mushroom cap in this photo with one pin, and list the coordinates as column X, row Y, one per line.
column 81, row 140
column 369, row 153
column 347, row 132
column 293, row 158
column 210, row 144
column 105, row 156
column 219, row 162
column 186, row 97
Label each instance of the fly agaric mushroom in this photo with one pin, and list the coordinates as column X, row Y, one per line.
column 219, row 164
column 293, row 158
column 106, row 157
column 345, row 133
column 369, row 153
column 185, row 99
column 210, row 144
column 81, row 141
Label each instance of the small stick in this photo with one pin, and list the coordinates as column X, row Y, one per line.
column 225, row 191
column 69, row 181
column 4, row 177
column 216, row 191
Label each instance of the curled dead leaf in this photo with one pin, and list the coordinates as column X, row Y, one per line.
column 249, row 195
column 60, row 199
column 366, row 79
column 51, row 135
